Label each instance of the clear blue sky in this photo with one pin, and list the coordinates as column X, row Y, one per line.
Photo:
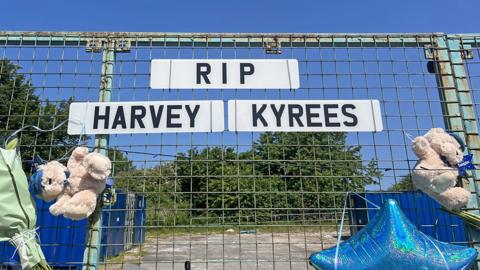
column 243, row 16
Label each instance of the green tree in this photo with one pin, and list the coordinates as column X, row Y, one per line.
column 405, row 184
column 120, row 162
column 21, row 107
column 283, row 174
column 311, row 170
column 208, row 179
column 159, row 184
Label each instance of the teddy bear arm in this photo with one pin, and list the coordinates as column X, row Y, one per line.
column 454, row 198
column 444, row 181
column 77, row 157
column 432, row 178
column 81, row 205
column 56, row 209
column 98, row 166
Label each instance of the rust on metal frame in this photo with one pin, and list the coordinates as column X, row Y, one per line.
column 222, row 39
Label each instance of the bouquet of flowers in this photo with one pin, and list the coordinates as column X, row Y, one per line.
column 17, row 210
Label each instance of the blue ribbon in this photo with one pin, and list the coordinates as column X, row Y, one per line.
column 465, row 164
column 35, row 180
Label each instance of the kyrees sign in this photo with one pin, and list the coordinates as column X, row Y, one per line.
column 224, row 73
column 145, row 117
column 304, row 115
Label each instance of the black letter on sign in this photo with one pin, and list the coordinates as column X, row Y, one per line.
column 295, row 115
column 171, row 116
column 224, row 73
column 156, row 116
column 203, row 73
column 278, row 113
column 351, row 115
column 244, row 72
column 137, row 117
column 258, row 115
column 328, row 115
column 97, row 117
column 310, row 115
column 119, row 119
column 193, row 114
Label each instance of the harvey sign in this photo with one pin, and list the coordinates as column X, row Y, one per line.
column 145, row 117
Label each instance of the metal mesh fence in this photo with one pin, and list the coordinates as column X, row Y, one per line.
column 234, row 200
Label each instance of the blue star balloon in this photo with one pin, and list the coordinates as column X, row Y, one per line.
column 390, row 241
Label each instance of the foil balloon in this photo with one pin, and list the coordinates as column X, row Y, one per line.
column 391, row 241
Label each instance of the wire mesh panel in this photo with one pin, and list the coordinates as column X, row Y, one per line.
column 231, row 200
column 472, row 67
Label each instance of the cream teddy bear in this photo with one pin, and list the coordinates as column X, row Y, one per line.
column 436, row 171
column 88, row 174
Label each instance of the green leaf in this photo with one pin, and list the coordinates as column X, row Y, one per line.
column 12, row 144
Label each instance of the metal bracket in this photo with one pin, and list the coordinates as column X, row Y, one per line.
column 273, row 47
column 466, row 52
column 429, row 54
column 103, row 83
column 109, row 196
column 94, row 45
column 122, row 45
column 97, row 45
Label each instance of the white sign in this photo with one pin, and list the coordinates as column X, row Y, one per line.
column 145, row 117
column 223, row 73
column 304, row 115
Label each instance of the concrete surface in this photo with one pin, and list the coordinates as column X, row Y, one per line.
column 229, row 251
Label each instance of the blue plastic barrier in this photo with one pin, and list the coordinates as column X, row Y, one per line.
column 63, row 240
column 113, row 227
column 422, row 211
column 140, row 220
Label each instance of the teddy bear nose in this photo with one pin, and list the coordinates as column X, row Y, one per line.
column 49, row 181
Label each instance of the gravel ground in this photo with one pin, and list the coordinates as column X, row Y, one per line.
column 230, row 251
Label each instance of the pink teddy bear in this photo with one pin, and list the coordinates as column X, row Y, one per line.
column 87, row 179
column 436, row 171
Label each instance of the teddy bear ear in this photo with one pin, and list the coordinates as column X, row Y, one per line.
column 433, row 132
column 459, row 139
column 80, row 152
column 421, row 146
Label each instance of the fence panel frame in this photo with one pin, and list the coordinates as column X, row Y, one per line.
column 448, row 51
